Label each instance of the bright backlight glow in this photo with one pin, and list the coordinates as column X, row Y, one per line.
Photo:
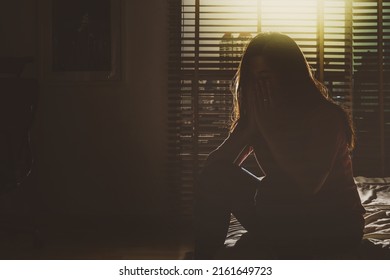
column 289, row 16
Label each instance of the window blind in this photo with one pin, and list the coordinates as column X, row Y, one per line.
column 371, row 32
column 340, row 39
column 385, row 70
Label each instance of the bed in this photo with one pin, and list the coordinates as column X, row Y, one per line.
column 375, row 196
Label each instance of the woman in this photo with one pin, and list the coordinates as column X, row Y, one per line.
column 307, row 205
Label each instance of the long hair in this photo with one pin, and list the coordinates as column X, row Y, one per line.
column 286, row 60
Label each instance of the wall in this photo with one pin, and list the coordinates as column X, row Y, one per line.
column 99, row 147
column 18, row 31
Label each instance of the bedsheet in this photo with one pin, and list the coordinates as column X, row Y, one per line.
column 375, row 196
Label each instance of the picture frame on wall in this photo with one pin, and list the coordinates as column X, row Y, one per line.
column 83, row 40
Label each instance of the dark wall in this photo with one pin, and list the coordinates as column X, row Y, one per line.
column 18, row 31
column 99, row 147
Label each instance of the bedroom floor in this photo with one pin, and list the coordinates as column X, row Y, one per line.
column 92, row 244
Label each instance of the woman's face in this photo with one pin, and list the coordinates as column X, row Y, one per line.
column 261, row 70
column 265, row 78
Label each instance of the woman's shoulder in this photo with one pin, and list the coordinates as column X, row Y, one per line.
column 327, row 111
column 330, row 118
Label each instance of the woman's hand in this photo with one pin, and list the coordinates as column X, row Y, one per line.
column 236, row 147
column 270, row 108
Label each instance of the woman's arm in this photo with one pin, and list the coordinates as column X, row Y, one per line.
column 235, row 148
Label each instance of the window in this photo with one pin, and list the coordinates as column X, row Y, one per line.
column 347, row 43
column 371, row 96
